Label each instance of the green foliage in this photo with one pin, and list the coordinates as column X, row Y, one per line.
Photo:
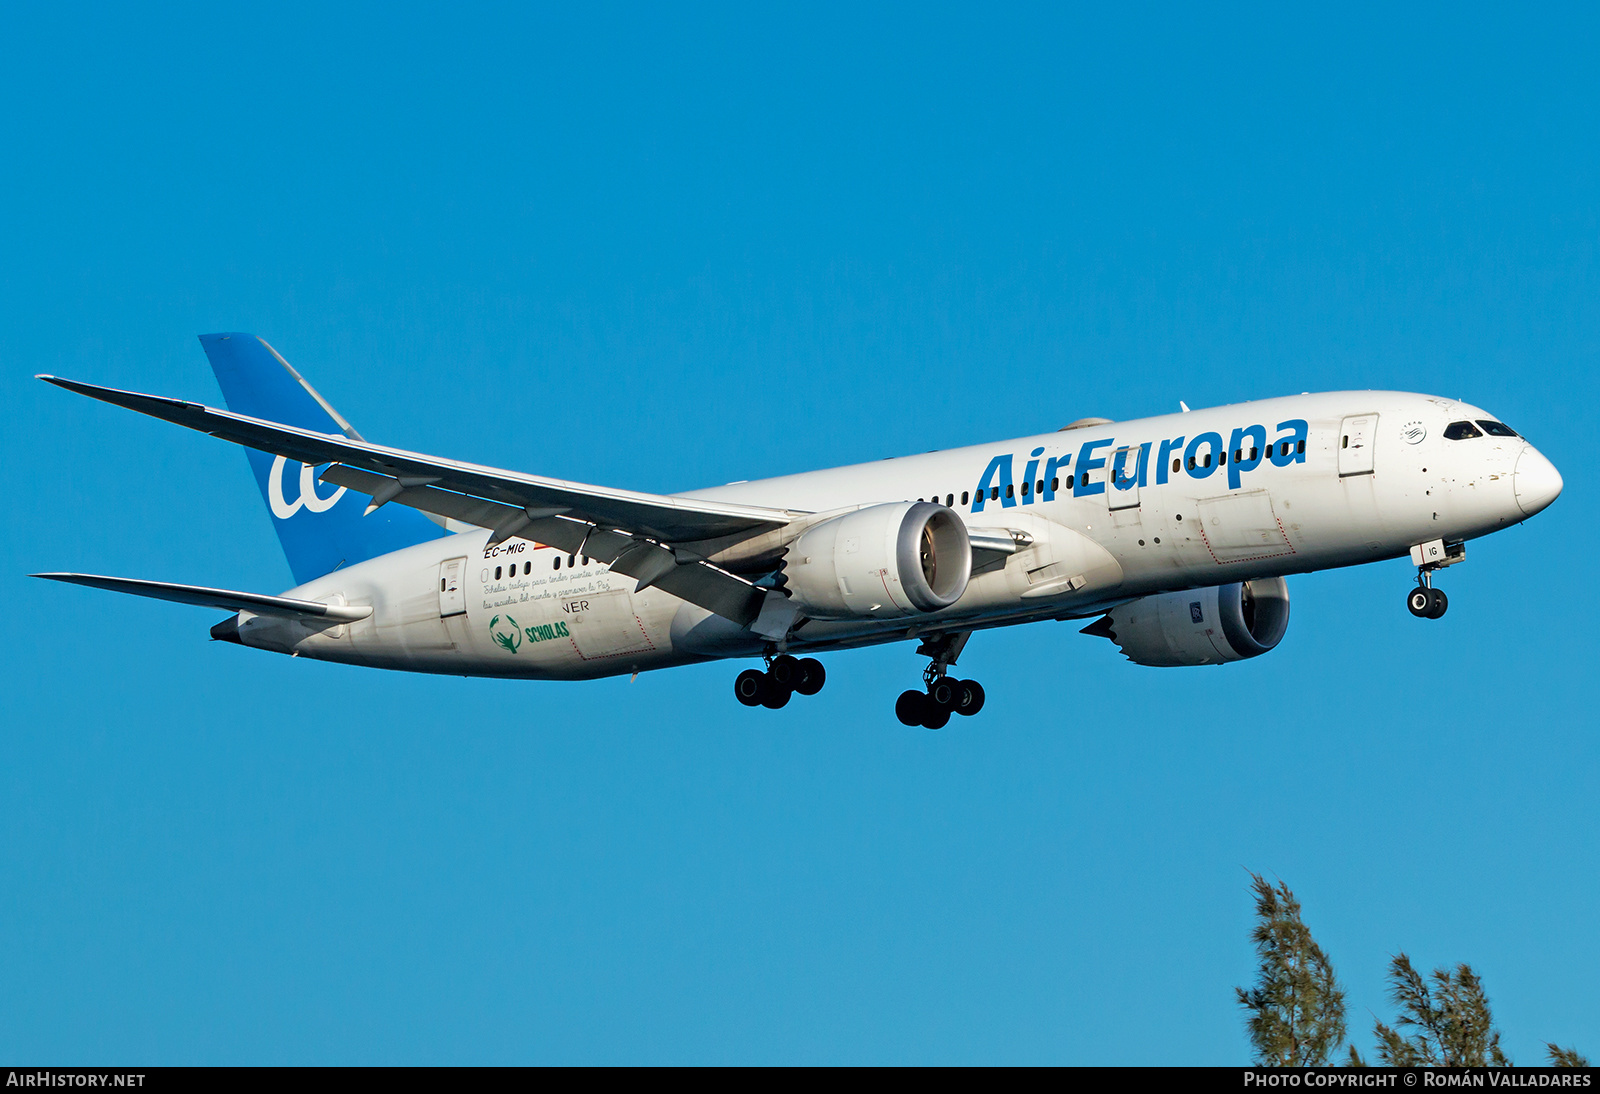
column 1296, row 1008
column 1452, row 1020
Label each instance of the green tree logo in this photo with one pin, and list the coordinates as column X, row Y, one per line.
column 507, row 640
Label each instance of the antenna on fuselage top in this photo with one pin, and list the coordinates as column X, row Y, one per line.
column 1183, row 406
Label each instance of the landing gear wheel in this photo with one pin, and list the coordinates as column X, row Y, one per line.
column 911, row 707
column 1441, row 604
column 749, row 687
column 775, row 696
column 812, row 676
column 969, row 697
column 1419, row 601
column 944, row 694
column 785, row 671
column 935, row 716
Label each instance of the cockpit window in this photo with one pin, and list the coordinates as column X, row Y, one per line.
column 1460, row 431
column 1498, row 429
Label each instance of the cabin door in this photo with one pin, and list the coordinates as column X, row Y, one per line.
column 452, row 595
column 1122, row 479
column 1355, row 444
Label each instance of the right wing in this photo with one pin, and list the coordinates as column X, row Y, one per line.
column 657, row 539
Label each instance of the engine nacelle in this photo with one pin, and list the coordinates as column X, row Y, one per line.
column 884, row 561
column 1201, row 626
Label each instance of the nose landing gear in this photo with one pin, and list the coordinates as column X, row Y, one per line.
column 784, row 677
column 942, row 697
column 1426, row 602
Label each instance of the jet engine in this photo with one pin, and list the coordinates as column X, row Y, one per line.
column 1201, row 626
column 884, row 561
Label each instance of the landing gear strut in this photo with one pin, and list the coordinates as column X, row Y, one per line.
column 784, row 677
column 942, row 696
column 1426, row 602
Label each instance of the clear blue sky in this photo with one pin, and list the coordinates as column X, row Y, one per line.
column 665, row 250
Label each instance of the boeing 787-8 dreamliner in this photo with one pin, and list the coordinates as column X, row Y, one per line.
column 1172, row 535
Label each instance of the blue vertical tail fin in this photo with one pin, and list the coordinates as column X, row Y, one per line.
column 321, row 527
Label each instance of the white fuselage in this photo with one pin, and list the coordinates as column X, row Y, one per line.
column 1261, row 489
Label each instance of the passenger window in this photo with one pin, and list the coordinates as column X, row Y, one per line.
column 1086, row 478
column 1300, row 448
column 527, row 567
column 1055, row 484
column 572, row 560
column 1025, row 489
column 1461, row 431
column 1011, row 492
column 994, row 493
column 1497, row 429
column 1191, row 463
column 949, row 501
column 557, row 565
column 1176, row 466
column 497, row 571
column 963, row 497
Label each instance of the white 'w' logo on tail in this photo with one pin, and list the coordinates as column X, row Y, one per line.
column 283, row 509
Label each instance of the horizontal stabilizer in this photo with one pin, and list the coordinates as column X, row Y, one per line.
column 226, row 599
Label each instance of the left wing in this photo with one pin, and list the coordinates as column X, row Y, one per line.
column 657, row 539
column 312, row 611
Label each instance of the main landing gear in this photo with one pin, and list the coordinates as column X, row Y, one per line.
column 785, row 675
column 942, row 696
column 1426, row 602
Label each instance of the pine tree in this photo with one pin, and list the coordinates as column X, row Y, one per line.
column 1455, row 1028
column 1564, row 1057
column 1296, row 1008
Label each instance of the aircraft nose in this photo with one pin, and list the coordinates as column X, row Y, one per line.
column 1538, row 481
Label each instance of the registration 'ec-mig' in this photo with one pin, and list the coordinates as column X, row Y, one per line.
column 1171, row 535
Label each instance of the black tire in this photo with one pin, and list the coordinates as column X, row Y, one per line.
column 910, row 707
column 785, row 671
column 937, row 717
column 1441, row 604
column 1419, row 601
column 945, row 693
column 749, row 687
column 775, row 697
column 971, row 700
column 812, row 676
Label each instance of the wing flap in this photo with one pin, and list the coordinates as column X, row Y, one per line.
column 691, row 579
column 227, row 599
